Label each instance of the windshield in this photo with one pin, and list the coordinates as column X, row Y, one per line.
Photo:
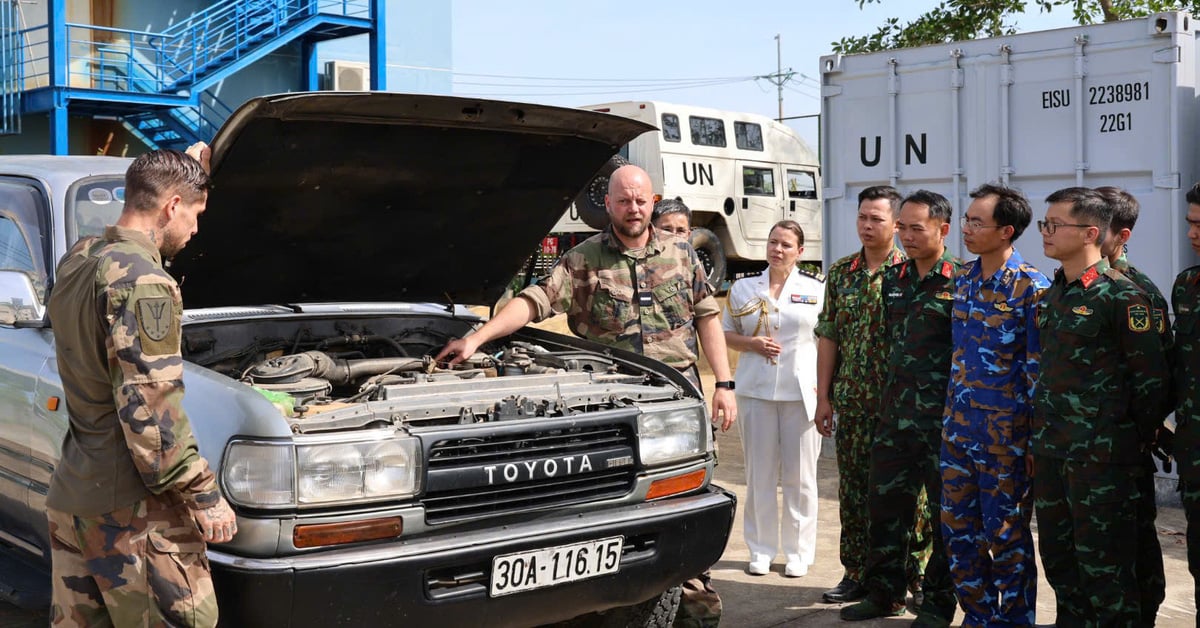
column 94, row 203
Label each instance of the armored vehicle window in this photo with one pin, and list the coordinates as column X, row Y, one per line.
column 748, row 135
column 758, row 181
column 670, row 127
column 801, row 184
column 92, row 204
column 707, row 131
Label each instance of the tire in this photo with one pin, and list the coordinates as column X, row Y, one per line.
column 712, row 255
column 656, row 612
column 590, row 201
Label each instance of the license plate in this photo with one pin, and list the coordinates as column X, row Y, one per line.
column 524, row 571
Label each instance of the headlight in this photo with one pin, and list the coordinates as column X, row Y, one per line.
column 268, row 475
column 666, row 435
column 260, row 474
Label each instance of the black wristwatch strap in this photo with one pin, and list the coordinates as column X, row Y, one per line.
column 725, row 384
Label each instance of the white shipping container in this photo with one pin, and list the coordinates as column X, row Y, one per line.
column 1110, row 104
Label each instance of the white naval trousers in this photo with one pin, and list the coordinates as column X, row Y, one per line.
column 781, row 447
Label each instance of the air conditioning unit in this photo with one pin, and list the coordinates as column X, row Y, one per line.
column 347, row 76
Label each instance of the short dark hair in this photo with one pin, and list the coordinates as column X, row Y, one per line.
column 163, row 171
column 939, row 206
column 1086, row 204
column 1012, row 208
column 793, row 226
column 671, row 206
column 1193, row 195
column 876, row 192
column 1125, row 207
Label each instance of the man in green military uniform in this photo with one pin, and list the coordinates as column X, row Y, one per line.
column 1185, row 364
column 1152, row 583
column 1098, row 403
column 631, row 289
column 919, row 297
column 852, row 353
column 132, row 502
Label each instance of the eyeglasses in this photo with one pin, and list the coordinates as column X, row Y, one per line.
column 974, row 224
column 1048, row 228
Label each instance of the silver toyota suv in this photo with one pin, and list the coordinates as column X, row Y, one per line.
column 546, row 478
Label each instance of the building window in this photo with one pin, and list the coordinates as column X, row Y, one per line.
column 758, row 181
column 707, row 131
column 670, row 127
column 748, row 135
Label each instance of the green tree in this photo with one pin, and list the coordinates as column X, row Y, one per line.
column 957, row 20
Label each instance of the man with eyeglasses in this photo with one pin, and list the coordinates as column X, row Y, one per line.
column 1101, row 395
column 1185, row 364
column 1152, row 583
column 986, row 506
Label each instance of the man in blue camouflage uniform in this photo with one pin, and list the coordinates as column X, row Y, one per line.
column 919, row 296
column 132, row 503
column 1152, row 583
column 631, row 289
column 852, row 351
column 986, row 502
column 1185, row 364
column 1100, row 398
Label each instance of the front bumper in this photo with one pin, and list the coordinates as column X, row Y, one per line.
column 443, row 579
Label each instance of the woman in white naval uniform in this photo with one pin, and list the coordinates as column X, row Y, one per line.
column 770, row 320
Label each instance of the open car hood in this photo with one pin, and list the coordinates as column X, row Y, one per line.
column 335, row 196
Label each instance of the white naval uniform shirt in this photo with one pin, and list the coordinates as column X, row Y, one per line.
column 790, row 320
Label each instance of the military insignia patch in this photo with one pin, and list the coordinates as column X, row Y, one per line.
column 807, row 299
column 1160, row 320
column 944, row 296
column 1004, row 307
column 1083, row 310
column 156, row 325
column 1139, row 318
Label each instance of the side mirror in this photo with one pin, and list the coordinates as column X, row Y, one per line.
column 19, row 302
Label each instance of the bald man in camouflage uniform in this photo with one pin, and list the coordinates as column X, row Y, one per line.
column 1099, row 401
column 852, row 361
column 131, row 502
column 1151, row 578
column 1185, row 364
column 629, row 288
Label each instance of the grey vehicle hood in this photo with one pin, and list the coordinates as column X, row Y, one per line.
column 334, row 196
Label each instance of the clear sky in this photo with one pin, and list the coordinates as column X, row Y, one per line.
column 698, row 52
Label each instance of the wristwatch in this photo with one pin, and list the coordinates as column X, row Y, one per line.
column 725, row 384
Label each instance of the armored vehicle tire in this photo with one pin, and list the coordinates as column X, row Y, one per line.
column 656, row 612
column 712, row 255
column 590, row 201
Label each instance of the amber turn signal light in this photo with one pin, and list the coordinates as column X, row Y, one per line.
column 322, row 534
column 52, row 404
column 677, row 484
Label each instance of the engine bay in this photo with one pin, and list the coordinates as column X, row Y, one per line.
column 345, row 372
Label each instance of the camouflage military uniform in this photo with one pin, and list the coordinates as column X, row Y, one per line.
column 986, row 507
column 646, row 301
column 904, row 457
column 124, row 543
column 1151, row 579
column 1100, row 397
column 1185, row 364
column 853, row 317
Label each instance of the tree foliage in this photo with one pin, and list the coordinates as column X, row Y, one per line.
column 957, row 20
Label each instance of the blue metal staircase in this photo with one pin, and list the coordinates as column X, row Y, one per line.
column 159, row 83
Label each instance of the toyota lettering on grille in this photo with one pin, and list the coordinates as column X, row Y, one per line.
column 537, row 469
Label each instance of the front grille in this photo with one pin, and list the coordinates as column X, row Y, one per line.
column 469, row 455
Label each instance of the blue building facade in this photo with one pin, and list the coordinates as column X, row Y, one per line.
column 123, row 76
